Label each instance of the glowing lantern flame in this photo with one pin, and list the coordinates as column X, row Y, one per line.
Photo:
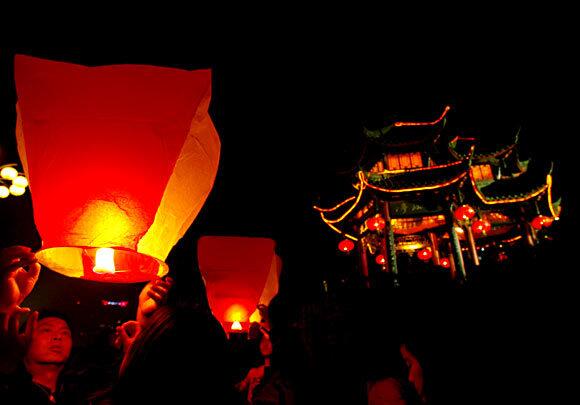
column 104, row 261
column 236, row 325
column 8, row 173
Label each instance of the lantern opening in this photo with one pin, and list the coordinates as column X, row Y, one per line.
column 236, row 325
column 112, row 265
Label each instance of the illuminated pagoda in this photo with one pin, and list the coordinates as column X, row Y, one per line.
column 421, row 191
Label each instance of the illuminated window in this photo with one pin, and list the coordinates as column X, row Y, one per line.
column 482, row 172
column 404, row 161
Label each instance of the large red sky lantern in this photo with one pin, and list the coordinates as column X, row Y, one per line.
column 120, row 160
column 239, row 273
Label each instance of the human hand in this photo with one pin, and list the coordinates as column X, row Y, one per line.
column 153, row 295
column 126, row 335
column 13, row 344
column 19, row 272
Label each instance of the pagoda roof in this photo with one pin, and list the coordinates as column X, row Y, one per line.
column 528, row 185
column 402, row 134
column 459, row 148
column 417, row 179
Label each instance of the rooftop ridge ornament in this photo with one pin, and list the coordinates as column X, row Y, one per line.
column 418, row 124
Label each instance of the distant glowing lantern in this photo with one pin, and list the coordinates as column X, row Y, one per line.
column 17, row 190
column 541, row 221
column 375, row 223
column 20, row 181
column 464, row 212
column 425, row 254
column 445, row 263
column 139, row 154
column 8, row 173
column 481, row 227
column 380, row 259
column 4, row 192
column 346, row 245
column 239, row 274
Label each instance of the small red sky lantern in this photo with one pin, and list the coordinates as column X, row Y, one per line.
column 444, row 262
column 464, row 213
column 375, row 224
column 425, row 254
column 239, row 274
column 120, row 160
column 346, row 245
column 541, row 221
column 481, row 227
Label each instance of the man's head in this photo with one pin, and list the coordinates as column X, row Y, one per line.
column 52, row 341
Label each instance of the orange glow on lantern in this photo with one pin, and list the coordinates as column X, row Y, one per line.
column 425, row 254
column 139, row 152
column 541, row 221
column 464, row 212
column 239, row 274
column 380, row 259
column 346, row 245
column 481, row 227
column 375, row 223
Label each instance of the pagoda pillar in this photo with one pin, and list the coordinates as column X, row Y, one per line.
column 456, row 247
column 389, row 241
column 471, row 244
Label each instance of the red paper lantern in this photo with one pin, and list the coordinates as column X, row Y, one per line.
column 425, row 254
column 464, row 212
column 119, row 157
column 375, row 223
column 541, row 221
column 445, row 263
column 346, row 245
column 380, row 259
column 239, row 274
column 481, row 227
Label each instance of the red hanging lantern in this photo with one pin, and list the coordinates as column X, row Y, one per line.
column 375, row 223
column 380, row 259
column 121, row 159
column 464, row 212
column 481, row 227
column 346, row 245
column 425, row 254
column 541, row 221
column 445, row 263
column 239, row 274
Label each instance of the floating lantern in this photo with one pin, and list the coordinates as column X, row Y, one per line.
column 445, row 263
column 119, row 157
column 239, row 273
column 541, row 221
column 380, row 259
